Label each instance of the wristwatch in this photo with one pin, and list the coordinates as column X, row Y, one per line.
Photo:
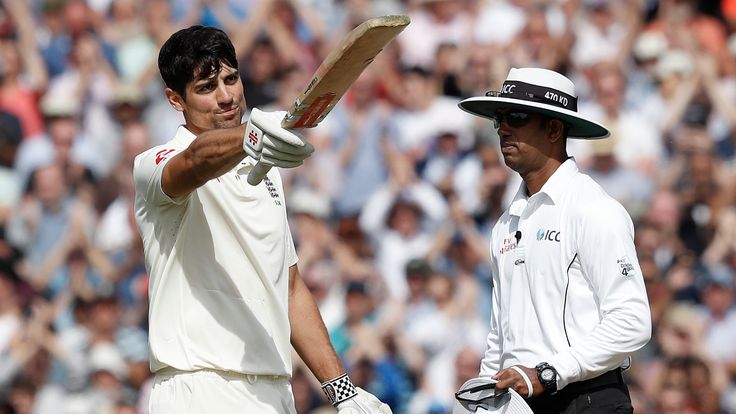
column 547, row 375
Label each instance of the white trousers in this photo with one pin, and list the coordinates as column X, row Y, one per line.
column 207, row 392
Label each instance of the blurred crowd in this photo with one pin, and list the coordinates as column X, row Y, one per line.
column 392, row 214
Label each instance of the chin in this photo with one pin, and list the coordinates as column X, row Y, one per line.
column 227, row 124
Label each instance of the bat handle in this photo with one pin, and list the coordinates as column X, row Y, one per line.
column 257, row 173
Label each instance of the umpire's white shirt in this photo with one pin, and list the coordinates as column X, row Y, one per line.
column 570, row 291
column 218, row 261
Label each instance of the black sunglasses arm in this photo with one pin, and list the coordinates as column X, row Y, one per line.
column 488, row 386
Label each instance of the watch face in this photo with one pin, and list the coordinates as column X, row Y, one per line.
column 548, row 374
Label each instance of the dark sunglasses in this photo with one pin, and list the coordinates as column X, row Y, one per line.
column 482, row 396
column 514, row 119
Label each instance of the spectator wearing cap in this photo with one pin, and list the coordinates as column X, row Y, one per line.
column 127, row 105
column 108, row 374
column 319, row 252
column 310, row 212
column 628, row 186
column 400, row 219
column 700, row 98
column 358, row 324
column 425, row 114
column 637, row 141
column 444, row 156
column 399, row 315
column 717, row 285
column 63, row 143
column 647, row 49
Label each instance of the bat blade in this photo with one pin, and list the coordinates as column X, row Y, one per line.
column 342, row 66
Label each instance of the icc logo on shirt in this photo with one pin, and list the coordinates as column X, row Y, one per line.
column 551, row 235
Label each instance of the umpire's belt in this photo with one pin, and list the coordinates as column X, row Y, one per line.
column 613, row 377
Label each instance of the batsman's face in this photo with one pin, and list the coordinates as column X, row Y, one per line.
column 214, row 102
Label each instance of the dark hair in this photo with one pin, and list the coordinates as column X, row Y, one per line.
column 547, row 117
column 196, row 50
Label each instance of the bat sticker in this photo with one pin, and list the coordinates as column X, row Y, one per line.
column 311, row 115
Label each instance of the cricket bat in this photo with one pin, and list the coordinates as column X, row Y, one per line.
column 335, row 74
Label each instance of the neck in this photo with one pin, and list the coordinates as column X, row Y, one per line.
column 535, row 179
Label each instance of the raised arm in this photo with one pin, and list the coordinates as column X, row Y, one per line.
column 217, row 151
column 27, row 45
column 210, row 155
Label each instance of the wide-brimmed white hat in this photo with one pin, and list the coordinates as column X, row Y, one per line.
column 478, row 396
column 537, row 90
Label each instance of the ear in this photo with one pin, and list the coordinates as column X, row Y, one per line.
column 555, row 130
column 176, row 101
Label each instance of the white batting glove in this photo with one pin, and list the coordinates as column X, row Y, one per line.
column 266, row 141
column 349, row 399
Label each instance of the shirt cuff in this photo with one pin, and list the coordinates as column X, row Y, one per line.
column 567, row 367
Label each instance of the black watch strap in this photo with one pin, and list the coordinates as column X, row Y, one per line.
column 547, row 375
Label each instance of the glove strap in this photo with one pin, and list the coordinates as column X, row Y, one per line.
column 339, row 389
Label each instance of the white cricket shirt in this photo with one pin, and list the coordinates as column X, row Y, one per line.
column 569, row 291
column 218, row 261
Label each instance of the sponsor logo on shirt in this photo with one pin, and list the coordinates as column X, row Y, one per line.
column 549, row 235
column 509, row 244
column 625, row 267
column 272, row 191
column 162, row 155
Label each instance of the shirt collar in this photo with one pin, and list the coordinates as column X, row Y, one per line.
column 558, row 182
column 553, row 188
column 184, row 136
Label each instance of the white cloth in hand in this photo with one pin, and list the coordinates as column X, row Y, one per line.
column 363, row 403
column 266, row 141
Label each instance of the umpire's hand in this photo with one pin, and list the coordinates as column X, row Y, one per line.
column 511, row 378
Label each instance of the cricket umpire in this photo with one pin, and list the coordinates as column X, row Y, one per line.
column 569, row 302
column 227, row 302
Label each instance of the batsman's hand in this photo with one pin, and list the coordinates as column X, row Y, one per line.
column 266, row 141
column 363, row 403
